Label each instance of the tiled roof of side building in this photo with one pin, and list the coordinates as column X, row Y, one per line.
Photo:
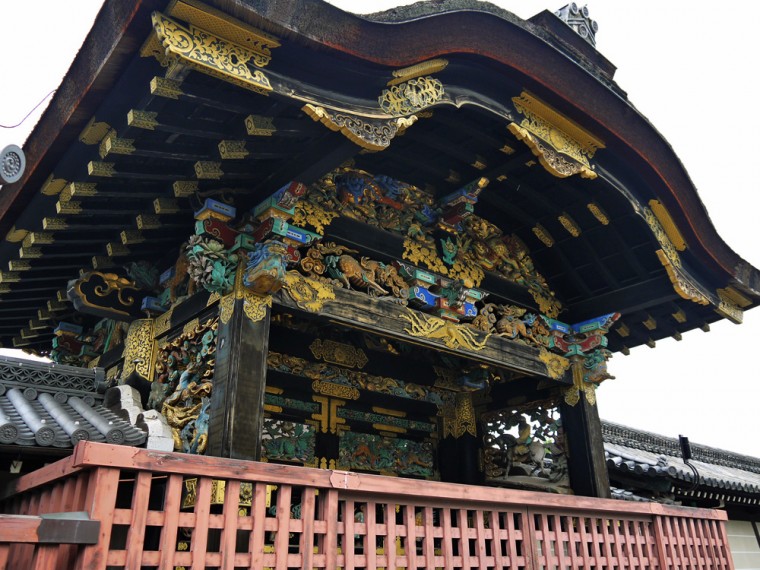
column 56, row 406
column 647, row 454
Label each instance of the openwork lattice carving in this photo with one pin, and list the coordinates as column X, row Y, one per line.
column 526, row 445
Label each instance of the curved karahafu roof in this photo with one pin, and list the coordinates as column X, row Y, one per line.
column 169, row 101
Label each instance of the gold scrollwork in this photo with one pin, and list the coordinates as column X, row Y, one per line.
column 453, row 335
column 336, row 390
column 255, row 306
column 139, row 347
column 683, row 286
column 573, row 393
column 598, row 213
column 115, row 283
column 217, row 493
column 662, row 237
column 411, row 96
column 728, row 308
column 338, row 353
column 211, row 54
column 370, row 134
column 556, row 365
column 464, row 416
column 561, row 146
column 543, row 235
column 308, row 294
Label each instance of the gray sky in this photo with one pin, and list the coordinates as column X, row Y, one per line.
column 691, row 71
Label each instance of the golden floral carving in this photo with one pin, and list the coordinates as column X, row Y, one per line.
column 464, row 416
column 662, row 237
column 255, row 307
column 308, row 294
column 212, row 55
column 561, row 146
column 139, row 347
column 556, row 365
column 453, row 335
column 338, row 353
column 370, row 134
column 410, row 96
column 684, row 287
column 336, row 390
column 226, row 308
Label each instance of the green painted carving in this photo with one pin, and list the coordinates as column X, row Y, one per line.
column 360, row 380
column 361, row 451
column 287, row 441
column 370, row 417
column 291, row 404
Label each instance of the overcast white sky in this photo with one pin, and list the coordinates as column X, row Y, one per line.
column 689, row 69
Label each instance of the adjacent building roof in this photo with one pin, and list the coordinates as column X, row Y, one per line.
column 719, row 475
column 51, row 405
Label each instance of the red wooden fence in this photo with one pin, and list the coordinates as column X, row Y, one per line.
column 167, row 510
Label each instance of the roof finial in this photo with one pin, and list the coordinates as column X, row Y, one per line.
column 578, row 19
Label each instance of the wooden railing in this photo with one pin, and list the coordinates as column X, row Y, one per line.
column 150, row 516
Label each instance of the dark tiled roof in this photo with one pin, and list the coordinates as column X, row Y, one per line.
column 57, row 406
column 641, row 453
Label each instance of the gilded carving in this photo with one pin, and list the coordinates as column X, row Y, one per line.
column 569, row 224
column 667, row 246
column 453, row 335
column 183, row 385
column 683, row 286
column 319, row 371
column 370, row 134
column 184, row 188
column 423, row 68
column 598, row 213
column 308, row 294
column 52, row 186
column 392, row 456
column 168, row 88
column 232, row 150
column 217, row 493
column 212, row 55
column 464, row 416
column 411, row 96
column 226, row 308
column 336, row 390
column 338, row 353
column 208, row 170
column 139, row 348
column 728, row 308
column 543, row 235
column 258, row 126
column 668, row 225
column 562, row 147
column 163, row 323
column 103, row 169
column 139, row 119
column 115, row 145
column 255, row 307
column 556, row 365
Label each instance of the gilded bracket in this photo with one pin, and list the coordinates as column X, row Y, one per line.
column 370, row 134
column 210, row 54
column 254, row 306
column 562, row 147
column 682, row 285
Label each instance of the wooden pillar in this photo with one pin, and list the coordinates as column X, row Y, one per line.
column 583, row 430
column 237, row 401
column 459, row 450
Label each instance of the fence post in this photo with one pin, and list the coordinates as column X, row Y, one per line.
column 99, row 504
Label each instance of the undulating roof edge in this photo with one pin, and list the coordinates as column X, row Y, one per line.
column 120, row 28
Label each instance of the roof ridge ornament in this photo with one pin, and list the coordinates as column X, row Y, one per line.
column 578, row 19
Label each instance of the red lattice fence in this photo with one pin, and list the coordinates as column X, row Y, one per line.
column 167, row 510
